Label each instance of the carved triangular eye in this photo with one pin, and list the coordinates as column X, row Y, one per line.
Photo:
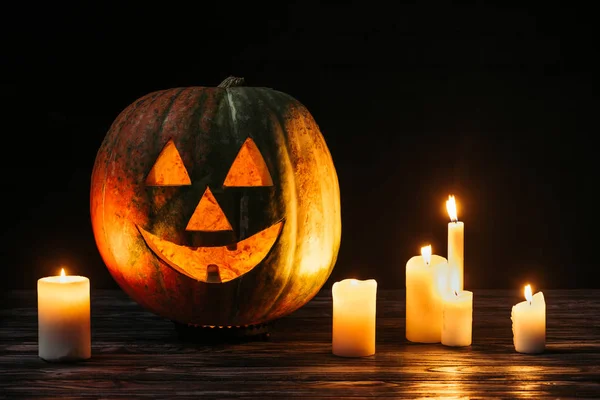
column 168, row 170
column 248, row 168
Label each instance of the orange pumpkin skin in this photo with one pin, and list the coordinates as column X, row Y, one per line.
column 208, row 126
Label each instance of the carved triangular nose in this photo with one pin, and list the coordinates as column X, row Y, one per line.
column 209, row 216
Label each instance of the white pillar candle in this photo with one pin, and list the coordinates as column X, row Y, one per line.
column 354, row 306
column 64, row 318
column 426, row 284
column 529, row 323
column 457, row 318
column 456, row 242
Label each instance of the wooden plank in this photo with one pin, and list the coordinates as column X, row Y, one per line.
column 137, row 353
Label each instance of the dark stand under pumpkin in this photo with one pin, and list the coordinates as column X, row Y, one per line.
column 222, row 334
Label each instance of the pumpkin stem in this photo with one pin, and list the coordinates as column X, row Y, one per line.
column 231, row 81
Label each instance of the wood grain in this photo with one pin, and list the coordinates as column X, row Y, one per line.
column 136, row 354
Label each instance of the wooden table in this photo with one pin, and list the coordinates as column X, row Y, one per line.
column 136, row 354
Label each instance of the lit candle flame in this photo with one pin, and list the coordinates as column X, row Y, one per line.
column 528, row 294
column 353, row 282
column 426, row 253
column 62, row 275
column 451, row 207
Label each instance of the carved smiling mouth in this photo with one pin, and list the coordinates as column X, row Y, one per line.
column 228, row 262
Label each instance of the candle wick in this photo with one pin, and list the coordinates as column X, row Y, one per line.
column 456, row 294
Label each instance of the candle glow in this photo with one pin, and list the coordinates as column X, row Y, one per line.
column 451, row 208
column 426, row 253
column 528, row 293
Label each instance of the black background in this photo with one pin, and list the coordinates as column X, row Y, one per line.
column 489, row 103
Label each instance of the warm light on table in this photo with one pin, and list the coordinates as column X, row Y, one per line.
column 456, row 241
column 354, row 306
column 426, row 284
column 457, row 320
column 64, row 318
column 529, row 323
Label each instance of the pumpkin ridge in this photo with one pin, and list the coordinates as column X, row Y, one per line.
column 197, row 95
column 158, row 132
column 237, row 104
column 305, row 119
column 268, row 98
column 115, row 135
column 166, row 112
column 232, row 111
column 283, row 116
column 177, row 92
column 166, row 284
column 295, row 114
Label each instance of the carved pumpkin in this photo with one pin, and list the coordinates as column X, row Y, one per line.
column 217, row 206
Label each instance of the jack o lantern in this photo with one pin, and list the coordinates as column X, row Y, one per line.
column 217, row 206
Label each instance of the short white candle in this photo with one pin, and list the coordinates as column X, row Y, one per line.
column 456, row 242
column 426, row 284
column 529, row 323
column 64, row 318
column 457, row 320
column 354, row 306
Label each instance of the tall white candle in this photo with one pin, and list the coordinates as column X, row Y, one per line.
column 529, row 323
column 457, row 320
column 64, row 318
column 426, row 284
column 354, row 306
column 456, row 242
